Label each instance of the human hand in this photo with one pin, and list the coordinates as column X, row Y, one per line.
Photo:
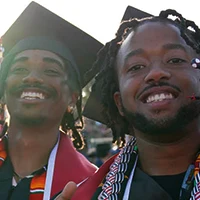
column 67, row 192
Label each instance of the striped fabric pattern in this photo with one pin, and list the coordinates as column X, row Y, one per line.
column 37, row 187
column 195, row 194
column 3, row 153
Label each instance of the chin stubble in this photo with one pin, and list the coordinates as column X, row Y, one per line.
column 30, row 121
column 164, row 125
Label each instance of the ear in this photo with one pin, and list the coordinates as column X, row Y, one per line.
column 118, row 102
column 74, row 98
column 72, row 101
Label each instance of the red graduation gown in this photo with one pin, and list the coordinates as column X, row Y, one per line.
column 70, row 165
column 86, row 190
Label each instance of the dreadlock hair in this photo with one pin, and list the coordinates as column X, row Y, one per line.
column 69, row 124
column 106, row 60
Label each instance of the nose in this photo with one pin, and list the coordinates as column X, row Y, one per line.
column 33, row 77
column 157, row 73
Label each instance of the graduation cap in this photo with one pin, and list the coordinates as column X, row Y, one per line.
column 132, row 12
column 39, row 28
column 94, row 107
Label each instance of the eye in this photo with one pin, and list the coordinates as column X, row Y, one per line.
column 18, row 70
column 136, row 68
column 52, row 72
column 176, row 61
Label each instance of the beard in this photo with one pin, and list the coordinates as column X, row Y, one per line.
column 164, row 125
column 30, row 121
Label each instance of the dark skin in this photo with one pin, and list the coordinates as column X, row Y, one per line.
column 68, row 191
column 156, row 52
column 35, row 94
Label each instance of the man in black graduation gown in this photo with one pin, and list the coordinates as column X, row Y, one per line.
column 149, row 89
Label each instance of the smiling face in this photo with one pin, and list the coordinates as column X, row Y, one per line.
column 36, row 87
column 155, row 76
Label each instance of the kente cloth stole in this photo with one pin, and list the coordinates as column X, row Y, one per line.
column 37, row 182
column 114, row 184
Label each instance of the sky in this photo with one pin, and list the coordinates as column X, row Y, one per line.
column 98, row 18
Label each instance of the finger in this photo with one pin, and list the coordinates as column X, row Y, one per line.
column 68, row 191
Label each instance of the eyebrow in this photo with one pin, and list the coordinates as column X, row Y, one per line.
column 174, row 46
column 21, row 59
column 52, row 60
column 133, row 53
column 45, row 59
column 166, row 47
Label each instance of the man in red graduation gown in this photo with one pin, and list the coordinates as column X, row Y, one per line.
column 41, row 79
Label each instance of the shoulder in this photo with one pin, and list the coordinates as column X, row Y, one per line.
column 93, row 183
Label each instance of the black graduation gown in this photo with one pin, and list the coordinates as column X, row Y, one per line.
column 7, row 191
column 142, row 187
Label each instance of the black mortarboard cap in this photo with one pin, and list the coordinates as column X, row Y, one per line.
column 132, row 12
column 94, row 107
column 39, row 28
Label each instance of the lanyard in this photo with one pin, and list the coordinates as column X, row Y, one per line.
column 187, row 184
column 50, row 170
column 190, row 185
column 128, row 186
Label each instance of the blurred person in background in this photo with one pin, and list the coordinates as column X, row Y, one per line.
column 103, row 153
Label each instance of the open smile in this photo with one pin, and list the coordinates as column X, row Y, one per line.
column 159, row 97
column 159, row 94
column 25, row 92
column 32, row 95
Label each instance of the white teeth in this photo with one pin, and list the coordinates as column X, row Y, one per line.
column 32, row 95
column 159, row 97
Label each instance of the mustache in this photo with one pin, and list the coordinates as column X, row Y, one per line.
column 159, row 84
column 24, row 86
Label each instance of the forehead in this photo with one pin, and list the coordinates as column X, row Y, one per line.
column 39, row 54
column 155, row 33
column 151, row 36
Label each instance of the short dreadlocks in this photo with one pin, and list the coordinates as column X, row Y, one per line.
column 106, row 60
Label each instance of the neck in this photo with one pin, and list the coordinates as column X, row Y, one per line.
column 29, row 147
column 168, row 158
